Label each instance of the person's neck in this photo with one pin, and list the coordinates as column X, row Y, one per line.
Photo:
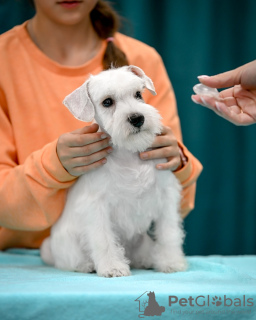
column 68, row 45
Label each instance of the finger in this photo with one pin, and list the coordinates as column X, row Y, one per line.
column 87, row 160
column 248, row 79
column 87, row 129
column 85, row 135
column 166, row 138
column 78, row 171
column 225, row 109
column 196, row 99
column 234, row 114
column 164, row 141
column 172, row 164
column 165, row 130
column 229, row 102
column 208, row 102
column 236, row 109
column 79, row 140
column 88, row 149
column 230, row 92
column 164, row 152
column 222, row 80
column 205, row 101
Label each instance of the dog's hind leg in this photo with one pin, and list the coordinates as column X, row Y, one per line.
column 69, row 255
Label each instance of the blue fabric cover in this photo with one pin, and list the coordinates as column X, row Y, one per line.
column 31, row 290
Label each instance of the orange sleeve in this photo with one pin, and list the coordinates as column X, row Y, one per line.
column 33, row 193
column 165, row 102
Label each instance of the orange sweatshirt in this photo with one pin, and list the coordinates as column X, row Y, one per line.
column 33, row 183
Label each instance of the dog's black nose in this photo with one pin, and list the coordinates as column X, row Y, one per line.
column 136, row 119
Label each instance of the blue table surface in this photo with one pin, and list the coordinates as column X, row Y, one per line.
column 213, row 287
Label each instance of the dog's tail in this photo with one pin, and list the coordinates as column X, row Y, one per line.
column 46, row 252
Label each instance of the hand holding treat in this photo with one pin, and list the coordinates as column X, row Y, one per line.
column 236, row 104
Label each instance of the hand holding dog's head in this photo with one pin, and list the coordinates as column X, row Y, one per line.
column 114, row 99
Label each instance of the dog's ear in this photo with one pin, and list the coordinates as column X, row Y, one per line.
column 79, row 103
column 140, row 73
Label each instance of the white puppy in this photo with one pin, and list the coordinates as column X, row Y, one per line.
column 109, row 210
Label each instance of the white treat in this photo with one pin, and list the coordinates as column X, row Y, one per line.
column 201, row 89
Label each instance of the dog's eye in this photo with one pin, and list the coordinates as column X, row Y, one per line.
column 138, row 95
column 107, row 103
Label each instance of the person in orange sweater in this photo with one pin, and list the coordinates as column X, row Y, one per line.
column 43, row 147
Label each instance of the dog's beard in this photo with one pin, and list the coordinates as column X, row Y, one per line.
column 135, row 139
column 139, row 141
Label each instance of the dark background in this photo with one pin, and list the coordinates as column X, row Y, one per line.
column 196, row 37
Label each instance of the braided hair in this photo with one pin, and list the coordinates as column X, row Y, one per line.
column 106, row 22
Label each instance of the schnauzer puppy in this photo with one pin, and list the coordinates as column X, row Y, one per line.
column 109, row 210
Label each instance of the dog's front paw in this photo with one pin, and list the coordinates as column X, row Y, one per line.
column 177, row 265
column 114, row 271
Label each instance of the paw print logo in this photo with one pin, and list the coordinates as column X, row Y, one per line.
column 216, row 301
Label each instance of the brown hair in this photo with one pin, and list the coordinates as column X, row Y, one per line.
column 106, row 22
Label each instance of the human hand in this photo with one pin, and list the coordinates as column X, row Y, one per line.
column 83, row 150
column 244, row 76
column 238, row 103
column 166, row 146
